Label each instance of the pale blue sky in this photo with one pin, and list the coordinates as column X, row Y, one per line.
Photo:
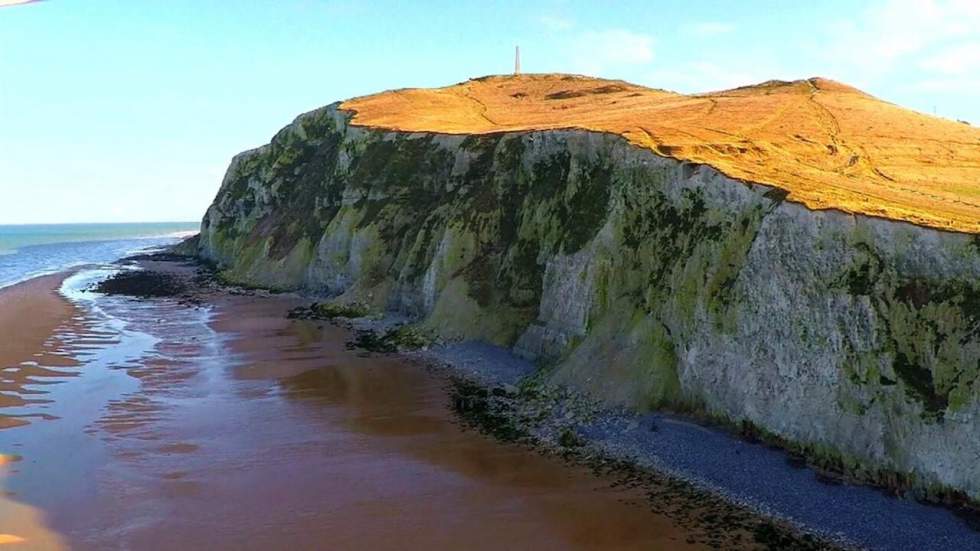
column 115, row 110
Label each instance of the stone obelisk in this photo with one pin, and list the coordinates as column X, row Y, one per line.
column 517, row 60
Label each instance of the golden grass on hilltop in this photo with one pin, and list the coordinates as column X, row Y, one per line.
column 829, row 145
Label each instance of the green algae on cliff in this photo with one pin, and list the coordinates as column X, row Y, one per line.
column 644, row 281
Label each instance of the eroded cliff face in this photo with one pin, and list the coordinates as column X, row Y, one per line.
column 645, row 281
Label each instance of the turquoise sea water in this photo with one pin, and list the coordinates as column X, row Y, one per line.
column 32, row 250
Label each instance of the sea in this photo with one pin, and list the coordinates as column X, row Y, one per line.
column 29, row 251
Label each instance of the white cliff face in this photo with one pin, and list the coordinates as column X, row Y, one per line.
column 645, row 281
column 563, row 314
column 814, row 362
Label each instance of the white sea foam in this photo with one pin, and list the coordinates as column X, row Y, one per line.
column 182, row 234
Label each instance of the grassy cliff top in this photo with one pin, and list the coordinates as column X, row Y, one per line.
column 829, row 145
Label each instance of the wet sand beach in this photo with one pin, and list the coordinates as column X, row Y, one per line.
column 227, row 426
column 29, row 314
column 209, row 419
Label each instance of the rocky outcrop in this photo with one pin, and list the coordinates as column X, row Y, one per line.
column 643, row 280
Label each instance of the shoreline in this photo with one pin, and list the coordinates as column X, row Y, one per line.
column 30, row 313
column 494, row 373
column 711, row 458
column 37, row 255
column 719, row 462
column 228, row 405
column 678, row 461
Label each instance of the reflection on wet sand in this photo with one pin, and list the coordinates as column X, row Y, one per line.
column 30, row 313
column 22, row 527
column 239, row 429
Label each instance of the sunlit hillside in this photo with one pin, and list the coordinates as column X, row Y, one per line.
column 829, row 145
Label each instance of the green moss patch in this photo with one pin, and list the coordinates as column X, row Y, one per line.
column 330, row 310
column 403, row 338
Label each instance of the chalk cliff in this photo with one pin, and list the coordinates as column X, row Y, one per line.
column 645, row 280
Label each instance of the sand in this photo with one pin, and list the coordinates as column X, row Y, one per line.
column 29, row 314
column 23, row 527
column 829, row 145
